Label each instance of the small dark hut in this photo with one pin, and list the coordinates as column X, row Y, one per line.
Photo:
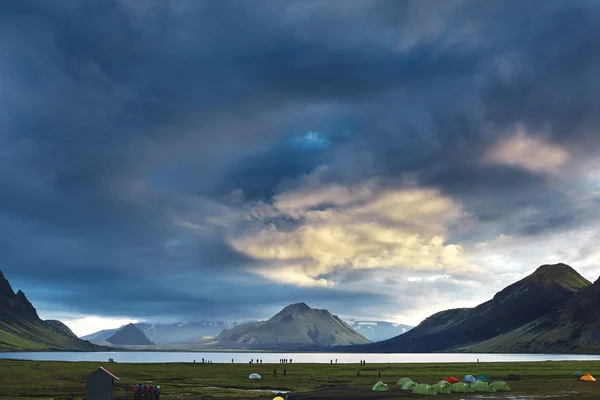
column 99, row 385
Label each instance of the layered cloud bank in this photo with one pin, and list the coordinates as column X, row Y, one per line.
column 381, row 159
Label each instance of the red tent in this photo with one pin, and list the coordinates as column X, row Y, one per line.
column 451, row 379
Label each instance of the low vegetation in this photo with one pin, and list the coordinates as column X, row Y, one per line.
column 62, row 380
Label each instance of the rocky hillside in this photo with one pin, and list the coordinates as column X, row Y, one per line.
column 574, row 328
column 295, row 325
column 129, row 335
column 21, row 329
column 539, row 295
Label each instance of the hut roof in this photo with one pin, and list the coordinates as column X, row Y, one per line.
column 108, row 373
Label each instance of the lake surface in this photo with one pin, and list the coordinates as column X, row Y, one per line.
column 241, row 357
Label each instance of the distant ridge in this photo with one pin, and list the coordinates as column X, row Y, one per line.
column 493, row 325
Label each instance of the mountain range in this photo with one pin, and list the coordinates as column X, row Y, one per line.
column 377, row 331
column 163, row 334
column 553, row 310
column 21, row 329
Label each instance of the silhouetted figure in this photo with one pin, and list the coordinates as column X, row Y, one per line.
column 379, row 373
column 331, row 362
column 578, row 374
column 336, row 360
column 284, row 372
column 275, row 372
column 357, row 374
column 290, row 360
column 203, row 361
column 232, row 360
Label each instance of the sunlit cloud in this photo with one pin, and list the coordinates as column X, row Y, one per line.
column 525, row 151
column 86, row 325
column 360, row 227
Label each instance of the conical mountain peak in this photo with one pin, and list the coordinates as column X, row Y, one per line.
column 558, row 275
column 6, row 290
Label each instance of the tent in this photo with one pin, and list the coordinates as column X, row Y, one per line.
column 402, row 381
column 482, row 378
column 469, row 379
column 501, row 386
column 254, row 376
column 461, row 387
column 410, row 385
column 588, row 377
column 278, row 398
column 479, row 386
column 451, row 379
column 380, row 387
column 512, row 377
column 442, row 387
column 424, row 388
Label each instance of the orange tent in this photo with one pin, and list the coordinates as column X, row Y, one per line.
column 588, row 377
column 451, row 379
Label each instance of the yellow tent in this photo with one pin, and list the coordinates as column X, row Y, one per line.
column 588, row 377
column 278, row 398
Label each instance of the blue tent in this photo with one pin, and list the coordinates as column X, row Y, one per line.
column 469, row 378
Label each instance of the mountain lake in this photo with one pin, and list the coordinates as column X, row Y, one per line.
column 273, row 358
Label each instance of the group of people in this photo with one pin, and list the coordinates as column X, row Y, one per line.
column 285, row 361
column 252, row 361
column 146, row 392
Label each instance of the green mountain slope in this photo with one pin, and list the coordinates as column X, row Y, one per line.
column 295, row 325
column 536, row 296
column 574, row 328
column 21, row 329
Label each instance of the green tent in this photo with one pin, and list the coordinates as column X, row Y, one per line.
column 380, row 387
column 402, row 381
column 500, row 386
column 478, row 386
column 410, row 385
column 461, row 387
column 424, row 388
column 482, row 378
column 442, row 387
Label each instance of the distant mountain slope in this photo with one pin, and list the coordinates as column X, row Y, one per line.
column 129, row 335
column 296, row 324
column 377, row 331
column 21, row 329
column 172, row 333
column 100, row 335
column 544, row 292
column 574, row 328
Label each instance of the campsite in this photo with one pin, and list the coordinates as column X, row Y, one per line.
column 22, row 380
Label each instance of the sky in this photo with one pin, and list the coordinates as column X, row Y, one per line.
column 175, row 160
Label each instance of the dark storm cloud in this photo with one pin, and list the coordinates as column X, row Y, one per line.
column 119, row 117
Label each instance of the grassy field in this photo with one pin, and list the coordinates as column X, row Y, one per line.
column 63, row 380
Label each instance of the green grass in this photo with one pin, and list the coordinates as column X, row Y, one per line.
column 60, row 380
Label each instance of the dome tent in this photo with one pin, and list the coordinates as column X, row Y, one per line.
column 402, row 381
column 424, row 388
column 409, row 385
column 479, row 386
column 469, row 379
column 461, row 387
column 380, row 387
column 254, row 376
column 442, row 387
column 500, row 386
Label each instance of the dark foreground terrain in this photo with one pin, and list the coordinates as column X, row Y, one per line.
column 66, row 380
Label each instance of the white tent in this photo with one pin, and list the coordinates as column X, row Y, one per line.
column 254, row 376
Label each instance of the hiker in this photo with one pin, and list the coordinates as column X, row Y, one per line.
column 151, row 391
column 578, row 374
column 157, row 392
column 331, row 362
column 357, row 374
column 284, row 372
column 336, row 360
column 290, row 360
column 379, row 373
column 275, row 372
